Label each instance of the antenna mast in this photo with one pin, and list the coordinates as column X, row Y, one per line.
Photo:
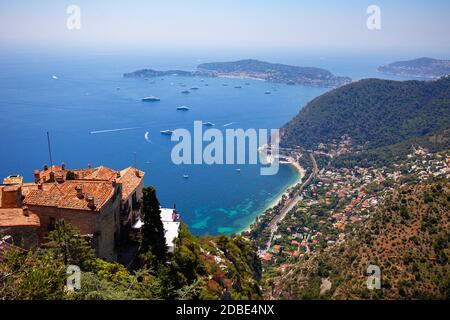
column 50, row 151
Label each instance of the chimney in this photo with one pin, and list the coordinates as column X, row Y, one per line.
column 52, row 177
column 45, row 167
column 114, row 182
column 37, row 177
column 25, row 211
column 118, row 174
column 90, row 200
column 39, row 185
column 63, row 166
column 79, row 189
column 138, row 174
column 89, row 166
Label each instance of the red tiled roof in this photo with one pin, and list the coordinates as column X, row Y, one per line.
column 101, row 173
column 64, row 195
column 130, row 180
column 14, row 217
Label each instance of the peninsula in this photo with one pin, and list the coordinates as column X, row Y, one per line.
column 254, row 69
column 421, row 68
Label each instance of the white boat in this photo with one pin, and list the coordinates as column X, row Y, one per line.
column 208, row 124
column 238, row 170
column 151, row 99
column 183, row 108
column 166, row 132
column 186, row 176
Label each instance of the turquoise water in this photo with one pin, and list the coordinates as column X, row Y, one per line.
column 85, row 98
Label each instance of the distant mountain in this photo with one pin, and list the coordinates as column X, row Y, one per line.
column 279, row 73
column 422, row 67
column 374, row 113
column 406, row 237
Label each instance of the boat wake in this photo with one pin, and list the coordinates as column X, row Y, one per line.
column 113, row 130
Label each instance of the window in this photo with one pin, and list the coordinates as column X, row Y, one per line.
column 51, row 224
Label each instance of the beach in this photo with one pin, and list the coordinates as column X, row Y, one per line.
column 301, row 174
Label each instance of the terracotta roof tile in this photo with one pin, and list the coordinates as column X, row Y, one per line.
column 15, row 217
column 64, row 195
column 101, row 173
column 130, row 180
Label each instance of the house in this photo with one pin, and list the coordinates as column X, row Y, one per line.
column 101, row 203
column 92, row 207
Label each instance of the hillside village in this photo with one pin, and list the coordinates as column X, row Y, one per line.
column 339, row 199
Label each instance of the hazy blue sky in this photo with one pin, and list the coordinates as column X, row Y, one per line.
column 215, row 24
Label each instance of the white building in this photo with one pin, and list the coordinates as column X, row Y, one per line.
column 171, row 222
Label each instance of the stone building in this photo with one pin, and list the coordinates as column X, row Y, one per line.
column 100, row 202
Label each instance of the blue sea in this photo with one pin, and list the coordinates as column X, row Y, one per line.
column 88, row 100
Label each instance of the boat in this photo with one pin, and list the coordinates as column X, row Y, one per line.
column 238, row 87
column 194, row 88
column 183, row 108
column 238, row 170
column 186, row 176
column 208, row 124
column 166, row 132
column 151, row 99
column 267, row 92
column 185, row 92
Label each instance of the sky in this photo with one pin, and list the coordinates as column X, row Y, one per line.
column 412, row 25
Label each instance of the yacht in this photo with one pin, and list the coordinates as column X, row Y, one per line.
column 186, row 176
column 267, row 92
column 166, row 132
column 151, row 99
column 208, row 124
column 183, row 108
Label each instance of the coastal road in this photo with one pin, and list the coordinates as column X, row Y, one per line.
column 290, row 204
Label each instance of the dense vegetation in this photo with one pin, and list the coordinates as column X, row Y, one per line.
column 407, row 237
column 374, row 113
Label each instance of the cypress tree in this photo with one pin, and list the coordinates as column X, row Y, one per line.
column 152, row 237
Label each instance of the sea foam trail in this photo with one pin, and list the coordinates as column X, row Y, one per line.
column 113, row 130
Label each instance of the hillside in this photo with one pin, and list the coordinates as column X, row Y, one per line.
column 373, row 113
column 202, row 268
column 275, row 72
column 406, row 236
column 422, row 67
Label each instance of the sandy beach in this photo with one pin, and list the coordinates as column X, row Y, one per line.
column 301, row 171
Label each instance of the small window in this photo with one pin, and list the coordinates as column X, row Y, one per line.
column 51, row 224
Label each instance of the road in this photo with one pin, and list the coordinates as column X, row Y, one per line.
column 289, row 205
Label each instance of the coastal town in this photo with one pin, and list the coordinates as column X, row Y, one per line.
column 320, row 212
column 101, row 203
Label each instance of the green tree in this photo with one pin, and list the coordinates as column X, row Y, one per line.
column 67, row 244
column 152, row 237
